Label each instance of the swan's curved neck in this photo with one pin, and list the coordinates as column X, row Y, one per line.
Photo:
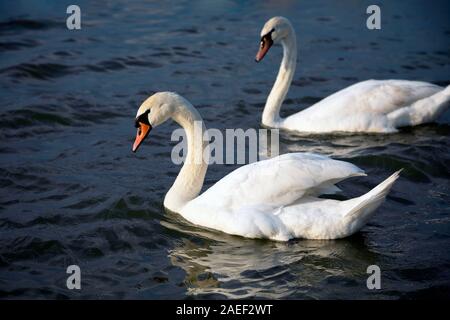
column 189, row 181
column 271, row 114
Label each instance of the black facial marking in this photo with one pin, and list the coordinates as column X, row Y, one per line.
column 268, row 35
column 267, row 38
column 142, row 118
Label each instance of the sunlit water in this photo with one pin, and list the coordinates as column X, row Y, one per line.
column 73, row 193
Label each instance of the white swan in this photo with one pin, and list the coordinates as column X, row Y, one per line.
column 368, row 106
column 275, row 199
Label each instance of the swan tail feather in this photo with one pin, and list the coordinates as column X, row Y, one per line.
column 367, row 203
column 422, row 111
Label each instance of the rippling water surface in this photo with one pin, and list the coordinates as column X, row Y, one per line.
column 73, row 193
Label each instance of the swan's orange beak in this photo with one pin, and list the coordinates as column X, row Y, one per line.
column 266, row 43
column 141, row 134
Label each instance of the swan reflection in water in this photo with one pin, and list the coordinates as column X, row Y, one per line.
column 346, row 145
column 220, row 265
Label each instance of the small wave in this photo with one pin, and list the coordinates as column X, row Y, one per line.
column 140, row 62
column 161, row 54
column 17, row 45
column 326, row 40
column 29, row 247
column 41, row 120
column 185, row 30
column 23, row 180
column 189, row 55
column 122, row 63
column 306, row 81
column 251, row 90
column 30, row 117
column 40, row 71
column 15, row 25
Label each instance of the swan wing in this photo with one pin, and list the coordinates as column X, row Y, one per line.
column 363, row 106
column 378, row 96
column 278, row 181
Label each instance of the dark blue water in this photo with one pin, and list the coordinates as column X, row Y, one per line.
column 73, row 193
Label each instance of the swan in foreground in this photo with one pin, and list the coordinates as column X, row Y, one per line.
column 368, row 106
column 275, row 199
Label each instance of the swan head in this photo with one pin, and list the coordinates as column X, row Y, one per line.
column 157, row 109
column 275, row 30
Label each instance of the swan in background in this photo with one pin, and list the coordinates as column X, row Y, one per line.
column 275, row 199
column 369, row 106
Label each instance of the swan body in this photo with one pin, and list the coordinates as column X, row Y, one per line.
column 275, row 199
column 380, row 106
